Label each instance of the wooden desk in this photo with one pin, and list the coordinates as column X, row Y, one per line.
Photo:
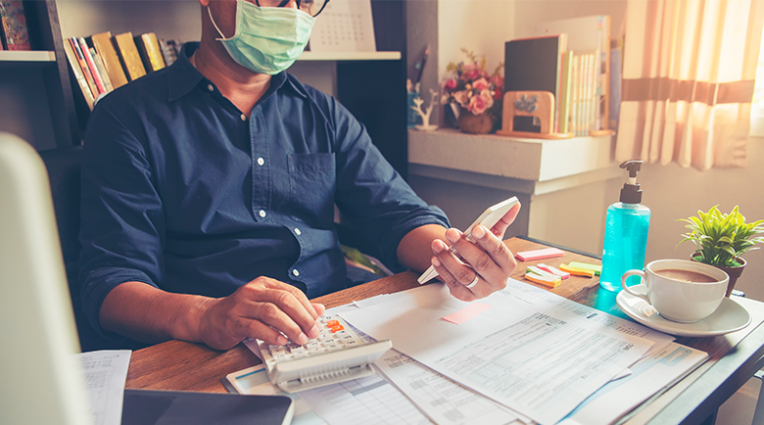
column 177, row 365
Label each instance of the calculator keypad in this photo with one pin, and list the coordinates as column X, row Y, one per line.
column 335, row 334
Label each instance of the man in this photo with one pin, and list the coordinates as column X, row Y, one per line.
column 208, row 191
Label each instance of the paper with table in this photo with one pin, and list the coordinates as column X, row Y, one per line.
column 105, row 374
column 443, row 400
column 535, row 352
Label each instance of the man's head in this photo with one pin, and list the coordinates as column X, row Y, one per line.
column 264, row 36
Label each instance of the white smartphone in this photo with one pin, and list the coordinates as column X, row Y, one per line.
column 488, row 219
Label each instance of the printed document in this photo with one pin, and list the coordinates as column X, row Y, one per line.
column 105, row 375
column 536, row 357
column 650, row 377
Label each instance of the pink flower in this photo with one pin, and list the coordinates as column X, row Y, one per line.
column 468, row 67
column 498, row 81
column 480, row 85
column 472, row 75
column 487, row 96
column 450, row 84
column 498, row 94
column 462, row 97
column 477, row 105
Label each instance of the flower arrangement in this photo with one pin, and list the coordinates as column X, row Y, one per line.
column 473, row 88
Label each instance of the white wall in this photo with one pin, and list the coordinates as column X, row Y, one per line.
column 571, row 218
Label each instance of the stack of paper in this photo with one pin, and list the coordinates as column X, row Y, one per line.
column 530, row 356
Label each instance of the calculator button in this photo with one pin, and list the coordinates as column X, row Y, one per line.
column 337, row 328
column 331, row 323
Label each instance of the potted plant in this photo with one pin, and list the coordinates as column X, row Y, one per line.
column 477, row 93
column 721, row 239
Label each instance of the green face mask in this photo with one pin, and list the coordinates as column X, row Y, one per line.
column 268, row 39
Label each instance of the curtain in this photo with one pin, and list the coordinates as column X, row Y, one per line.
column 688, row 78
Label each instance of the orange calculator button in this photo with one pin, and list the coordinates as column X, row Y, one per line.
column 337, row 328
column 331, row 323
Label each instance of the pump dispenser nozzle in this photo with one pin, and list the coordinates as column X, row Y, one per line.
column 631, row 194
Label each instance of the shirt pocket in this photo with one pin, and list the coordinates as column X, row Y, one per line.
column 312, row 179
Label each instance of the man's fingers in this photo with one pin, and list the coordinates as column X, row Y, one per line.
column 298, row 294
column 256, row 329
column 459, row 291
column 500, row 227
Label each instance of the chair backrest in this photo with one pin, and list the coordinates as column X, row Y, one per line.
column 64, row 172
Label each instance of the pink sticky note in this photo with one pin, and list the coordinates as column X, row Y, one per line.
column 466, row 313
column 539, row 254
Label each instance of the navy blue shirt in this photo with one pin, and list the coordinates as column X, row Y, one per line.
column 182, row 191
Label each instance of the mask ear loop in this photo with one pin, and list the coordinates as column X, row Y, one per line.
column 222, row 36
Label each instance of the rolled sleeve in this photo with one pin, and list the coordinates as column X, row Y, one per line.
column 372, row 195
column 121, row 213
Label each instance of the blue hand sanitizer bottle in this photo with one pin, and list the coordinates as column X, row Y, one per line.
column 626, row 229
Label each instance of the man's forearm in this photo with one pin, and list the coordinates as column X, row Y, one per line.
column 415, row 249
column 147, row 314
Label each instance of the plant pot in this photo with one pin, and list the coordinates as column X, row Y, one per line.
column 733, row 272
column 474, row 124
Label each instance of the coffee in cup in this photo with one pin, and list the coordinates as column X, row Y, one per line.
column 683, row 291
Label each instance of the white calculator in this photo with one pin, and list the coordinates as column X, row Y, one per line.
column 337, row 355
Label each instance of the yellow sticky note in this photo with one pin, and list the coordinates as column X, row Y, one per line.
column 550, row 281
column 576, row 271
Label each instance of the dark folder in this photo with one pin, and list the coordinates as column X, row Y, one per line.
column 149, row 407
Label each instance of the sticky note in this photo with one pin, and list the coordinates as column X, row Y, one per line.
column 553, row 270
column 539, row 254
column 539, row 271
column 576, row 271
column 547, row 280
column 596, row 268
column 466, row 313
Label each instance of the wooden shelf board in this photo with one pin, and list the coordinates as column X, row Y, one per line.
column 8, row 56
column 349, row 56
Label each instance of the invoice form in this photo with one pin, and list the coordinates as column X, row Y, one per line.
column 534, row 357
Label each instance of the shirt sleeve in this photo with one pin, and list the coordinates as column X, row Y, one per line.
column 371, row 194
column 122, row 224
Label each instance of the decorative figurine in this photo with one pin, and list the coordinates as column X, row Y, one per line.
column 425, row 126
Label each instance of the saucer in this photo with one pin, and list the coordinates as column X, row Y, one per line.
column 729, row 317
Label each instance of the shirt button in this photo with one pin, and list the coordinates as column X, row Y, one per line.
column 260, row 161
column 210, row 87
column 243, row 117
column 296, row 272
column 261, row 213
column 297, row 231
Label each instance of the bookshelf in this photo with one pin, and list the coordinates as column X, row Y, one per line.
column 380, row 106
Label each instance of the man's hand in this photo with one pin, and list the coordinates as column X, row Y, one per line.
column 480, row 268
column 256, row 310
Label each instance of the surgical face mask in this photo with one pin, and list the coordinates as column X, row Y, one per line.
column 268, row 39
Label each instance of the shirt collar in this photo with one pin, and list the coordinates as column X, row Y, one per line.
column 183, row 76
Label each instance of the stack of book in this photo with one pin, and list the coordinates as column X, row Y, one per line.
column 571, row 59
column 102, row 63
column 14, row 34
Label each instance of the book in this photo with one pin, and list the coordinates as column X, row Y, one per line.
column 84, row 66
column 563, row 106
column 588, row 33
column 92, row 66
column 533, row 64
column 151, row 53
column 78, row 74
column 14, row 25
column 129, row 56
column 105, row 49
column 169, row 53
column 101, row 70
column 614, row 91
column 142, row 407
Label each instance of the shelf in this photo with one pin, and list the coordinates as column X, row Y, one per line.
column 349, row 56
column 8, row 56
column 531, row 165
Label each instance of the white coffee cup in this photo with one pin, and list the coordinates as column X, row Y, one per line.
column 675, row 290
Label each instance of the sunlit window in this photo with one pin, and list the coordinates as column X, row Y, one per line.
column 757, row 109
